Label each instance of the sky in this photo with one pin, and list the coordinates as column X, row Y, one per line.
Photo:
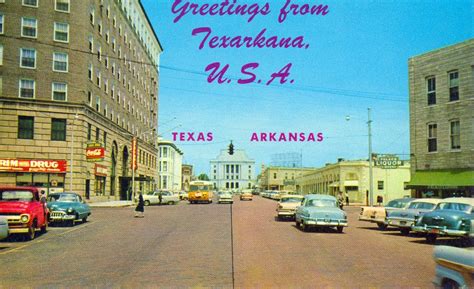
column 357, row 59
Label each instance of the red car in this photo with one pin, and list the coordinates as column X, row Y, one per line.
column 24, row 211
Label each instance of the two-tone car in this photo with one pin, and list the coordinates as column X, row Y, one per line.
column 287, row 205
column 451, row 217
column 25, row 212
column 225, row 197
column 379, row 215
column 405, row 219
column 153, row 198
column 320, row 211
column 246, row 195
column 67, row 208
column 454, row 267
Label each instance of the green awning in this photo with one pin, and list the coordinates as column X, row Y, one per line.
column 442, row 179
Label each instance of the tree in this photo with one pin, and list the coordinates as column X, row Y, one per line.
column 203, row 177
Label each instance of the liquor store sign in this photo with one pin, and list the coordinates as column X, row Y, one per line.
column 33, row 166
column 388, row 161
column 95, row 152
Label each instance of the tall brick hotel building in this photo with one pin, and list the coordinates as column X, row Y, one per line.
column 78, row 79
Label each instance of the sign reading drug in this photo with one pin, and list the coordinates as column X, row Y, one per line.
column 388, row 161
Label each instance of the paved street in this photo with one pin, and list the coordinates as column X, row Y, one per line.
column 190, row 246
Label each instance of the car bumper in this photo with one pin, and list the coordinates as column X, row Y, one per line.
column 400, row 223
column 60, row 217
column 225, row 201
column 325, row 223
column 372, row 219
column 440, row 231
column 286, row 213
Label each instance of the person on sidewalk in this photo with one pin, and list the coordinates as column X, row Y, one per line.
column 140, row 209
column 347, row 199
column 160, row 197
column 340, row 200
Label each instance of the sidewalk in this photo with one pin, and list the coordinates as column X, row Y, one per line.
column 111, row 204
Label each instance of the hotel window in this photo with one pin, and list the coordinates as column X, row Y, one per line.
column 107, row 12
column 99, row 53
column 62, row 5
column 112, row 92
column 58, row 129
column 59, row 91
column 28, row 58
column 106, row 86
column 453, row 85
column 60, row 62
column 1, row 23
column 97, row 134
column 165, row 152
column 114, row 22
column 113, row 44
column 27, row 88
column 98, row 78
column 380, row 185
column 99, row 24
column 107, row 38
column 89, row 98
column 31, row 3
column 91, row 43
column 106, row 62
column 92, row 16
column 105, row 109
column 274, row 175
column 97, row 103
column 61, row 32
column 431, row 89
column 1, row 54
column 89, row 131
column 29, row 27
column 26, row 127
column 455, row 132
column 432, row 137
column 90, row 71
column 113, row 68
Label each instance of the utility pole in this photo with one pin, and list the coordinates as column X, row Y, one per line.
column 371, row 184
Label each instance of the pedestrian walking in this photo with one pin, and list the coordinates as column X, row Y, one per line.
column 140, row 209
column 347, row 199
column 340, row 200
column 160, row 197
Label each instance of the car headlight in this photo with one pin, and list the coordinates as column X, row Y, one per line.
column 25, row 218
column 280, row 207
column 70, row 210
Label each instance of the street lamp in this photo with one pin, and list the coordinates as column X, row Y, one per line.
column 371, row 181
column 72, row 153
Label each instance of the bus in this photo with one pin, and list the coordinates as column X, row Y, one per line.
column 200, row 192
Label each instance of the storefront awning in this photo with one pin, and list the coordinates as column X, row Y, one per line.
column 351, row 183
column 442, row 179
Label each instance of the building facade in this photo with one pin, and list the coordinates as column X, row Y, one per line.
column 352, row 177
column 187, row 174
column 232, row 172
column 78, row 79
column 442, row 121
column 170, row 166
column 282, row 178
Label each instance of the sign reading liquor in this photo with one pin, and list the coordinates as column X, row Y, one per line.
column 95, row 152
column 33, row 166
column 100, row 170
column 134, row 163
column 388, row 161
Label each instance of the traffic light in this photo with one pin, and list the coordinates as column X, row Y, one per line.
column 231, row 148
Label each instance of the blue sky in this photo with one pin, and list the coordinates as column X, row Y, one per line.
column 357, row 59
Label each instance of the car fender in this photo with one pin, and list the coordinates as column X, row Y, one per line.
column 443, row 274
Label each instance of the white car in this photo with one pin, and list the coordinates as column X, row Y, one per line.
column 153, row 198
column 225, row 197
column 3, row 228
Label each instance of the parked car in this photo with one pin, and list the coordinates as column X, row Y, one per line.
column 378, row 214
column 24, row 211
column 246, row 195
column 67, row 208
column 320, row 211
column 286, row 207
column 225, row 197
column 153, row 198
column 454, row 267
column 3, row 228
column 183, row 195
column 451, row 217
column 405, row 219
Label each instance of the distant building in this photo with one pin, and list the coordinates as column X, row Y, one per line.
column 442, row 121
column 169, row 166
column 187, row 175
column 352, row 177
column 282, row 178
column 232, row 172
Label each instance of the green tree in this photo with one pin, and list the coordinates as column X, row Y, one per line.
column 203, row 177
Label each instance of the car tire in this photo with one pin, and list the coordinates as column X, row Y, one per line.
column 147, row 203
column 431, row 238
column 340, row 229
column 450, row 284
column 44, row 229
column 405, row 231
column 84, row 220
column 31, row 232
column 170, row 203
column 381, row 226
column 304, row 227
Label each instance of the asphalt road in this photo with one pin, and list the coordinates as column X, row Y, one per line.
column 191, row 246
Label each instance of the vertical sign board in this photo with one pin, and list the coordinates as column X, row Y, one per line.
column 134, row 153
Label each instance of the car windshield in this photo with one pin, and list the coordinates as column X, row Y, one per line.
column 26, row 196
column 149, row 193
column 321, row 203
column 290, row 200
column 422, row 205
column 454, row 206
column 62, row 198
column 397, row 204
column 199, row 188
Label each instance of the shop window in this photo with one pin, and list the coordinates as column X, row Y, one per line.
column 26, row 127
column 432, row 137
column 58, row 129
column 380, row 185
column 455, row 135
